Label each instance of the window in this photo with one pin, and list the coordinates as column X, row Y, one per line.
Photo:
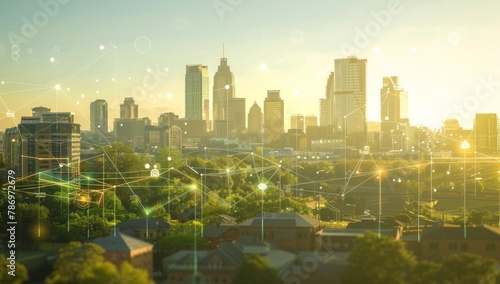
column 434, row 245
column 113, row 256
column 452, row 246
column 490, row 247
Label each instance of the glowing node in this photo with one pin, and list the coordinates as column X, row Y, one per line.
column 58, row 87
column 227, row 170
column 263, row 66
column 3, row 82
column 147, row 166
column 68, row 89
column 376, row 50
column 78, row 103
column 169, row 159
column 262, row 186
column 296, row 91
column 227, row 87
column 101, row 47
column 52, row 60
column 83, row 95
column 148, row 70
column 414, row 50
column 166, row 69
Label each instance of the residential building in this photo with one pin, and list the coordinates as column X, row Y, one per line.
column 438, row 243
column 219, row 265
column 139, row 228
column 48, row 142
column 289, row 231
column 122, row 247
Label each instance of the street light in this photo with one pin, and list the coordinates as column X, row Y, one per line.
column 379, row 200
column 464, row 146
column 262, row 187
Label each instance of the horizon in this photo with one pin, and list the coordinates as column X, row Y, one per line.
column 447, row 65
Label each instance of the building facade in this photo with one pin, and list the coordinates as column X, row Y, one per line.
column 99, row 116
column 486, row 133
column 129, row 109
column 274, row 115
column 350, row 99
column 255, row 119
column 47, row 143
column 196, row 92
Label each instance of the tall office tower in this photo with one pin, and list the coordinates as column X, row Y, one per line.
column 350, row 100
column 48, row 143
column 236, row 115
column 326, row 112
column 274, row 115
column 393, row 112
column 99, row 116
column 129, row 109
column 310, row 121
column 486, row 133
column 222, row 78
column 196, row 88
column 297, row 122
column 255, row 119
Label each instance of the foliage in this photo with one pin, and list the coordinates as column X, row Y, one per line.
column 84, row 263
column 20, row 274
column 255, row 269
column 381, row 259
column 467, row 268
column 174, row 243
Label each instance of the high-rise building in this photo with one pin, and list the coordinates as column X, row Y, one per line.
column 223, row 90
column 486, row 133
column 326, row 112
column 99, row 116
column 48, row 143
column 167, row 119
column 393, row 111
column 350, row 100
column 129, row 109
column 255, row 119
column 297, row 122
column 236, row 114
column 196, row 88
column 310, row 121
column 274, row 115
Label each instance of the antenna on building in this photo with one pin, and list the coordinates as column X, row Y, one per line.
column 223, row 50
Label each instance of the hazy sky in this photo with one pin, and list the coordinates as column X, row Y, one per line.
column 446, row 53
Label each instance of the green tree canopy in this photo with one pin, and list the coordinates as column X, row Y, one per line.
column 255, row 269
column 467, row 268
column 20, row 275
column 378, row 260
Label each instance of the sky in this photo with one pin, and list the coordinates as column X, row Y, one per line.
column 445, row 53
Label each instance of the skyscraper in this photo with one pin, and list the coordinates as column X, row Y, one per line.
column 486, row 133
column 326, row 113
column 99, row 116
column 297, row 122
column 222, row 78
column 236, row 114
column 196, row 88
column 129, row 109
column 393, row 111
column 255, row 118
column 350, row 99
column 274, row 114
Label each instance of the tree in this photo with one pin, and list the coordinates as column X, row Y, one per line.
column 20, row 275
column 174, row 243
column 81, row 263
column 128, row 274
column 425, row 272
column 255, row 269
column 380, row 259
column 467, row 268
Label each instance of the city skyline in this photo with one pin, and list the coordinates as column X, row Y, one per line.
column 112, row 61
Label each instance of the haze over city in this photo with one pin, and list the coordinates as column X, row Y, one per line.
column 442, row 52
